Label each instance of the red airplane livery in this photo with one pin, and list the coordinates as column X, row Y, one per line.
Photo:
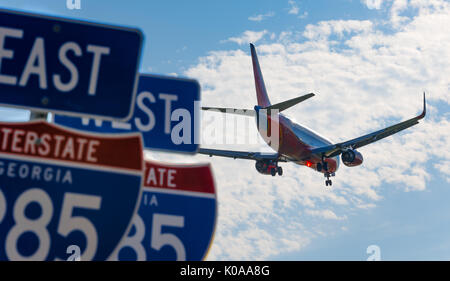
column 296, row 143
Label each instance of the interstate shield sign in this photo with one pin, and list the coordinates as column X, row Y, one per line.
column 65, row 194
column 177, row 215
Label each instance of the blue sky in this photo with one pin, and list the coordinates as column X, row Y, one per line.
column 368, row 62
column 178, row 32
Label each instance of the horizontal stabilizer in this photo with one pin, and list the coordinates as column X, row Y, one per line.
column 250, row 112
column 289, row 103
column 246, row 112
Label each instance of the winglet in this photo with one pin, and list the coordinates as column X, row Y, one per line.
column 424, row 112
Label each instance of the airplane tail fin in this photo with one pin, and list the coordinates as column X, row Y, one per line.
column 261, row 93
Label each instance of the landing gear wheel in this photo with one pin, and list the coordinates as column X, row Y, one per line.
column 328, row 182
column 273, row 172
column 280, row 171
column 319, row 167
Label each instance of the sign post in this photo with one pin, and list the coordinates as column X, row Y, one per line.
column 62, row 190
column 177, row 215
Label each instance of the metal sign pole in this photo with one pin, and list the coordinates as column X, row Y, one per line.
column 38, row 115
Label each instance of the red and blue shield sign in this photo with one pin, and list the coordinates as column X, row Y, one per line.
column 65, row 194
column 177, row 215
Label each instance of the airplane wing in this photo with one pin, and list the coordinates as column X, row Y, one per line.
column 336, row 149
column 243, row 154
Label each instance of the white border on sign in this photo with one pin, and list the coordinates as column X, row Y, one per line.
column 180, row 192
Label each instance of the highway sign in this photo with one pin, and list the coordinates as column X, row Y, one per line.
column 68, row 66
column 177, row 215
column 66, row 193
column 166, row 114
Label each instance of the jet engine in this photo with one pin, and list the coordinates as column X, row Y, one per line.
column 268, row 168
column 351, row 158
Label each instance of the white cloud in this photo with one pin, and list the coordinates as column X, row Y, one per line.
column 398, row 6
column 444, row 168
column 293, row 7
column 248, row 37
column 364, row 79
column 261, row 17
column 373, row 4
column 336, row 27
column 303, row 16
column 295, row 10
column 325, row 214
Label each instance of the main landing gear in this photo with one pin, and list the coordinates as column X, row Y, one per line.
column 324, row 166
column 276, row 170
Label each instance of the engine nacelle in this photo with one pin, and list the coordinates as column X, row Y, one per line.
column 351, row 158
column 265, row 167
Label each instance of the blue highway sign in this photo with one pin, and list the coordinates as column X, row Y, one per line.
column 166, row 113
column 66, row 195
column 177, row 216
column 68, row 66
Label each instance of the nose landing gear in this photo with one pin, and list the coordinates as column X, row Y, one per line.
column 328, row 182
column 324, row 166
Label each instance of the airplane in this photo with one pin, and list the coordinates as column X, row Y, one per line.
column 297, row 143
